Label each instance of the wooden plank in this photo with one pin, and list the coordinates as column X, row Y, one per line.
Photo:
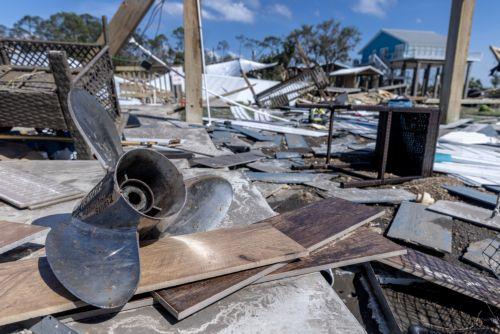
column 467, row 212
column 124, row 22
column 457, row 46
column 311, row 226
column 16, row 234
column 416, row 225
column 232, row 160
column 448, row 275
column 192, row 63
column 167, row 262
column 362, row 245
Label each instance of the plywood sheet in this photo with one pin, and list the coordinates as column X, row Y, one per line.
column 311, row 226
column 448, row 275
column 29, row 289
column 16, row 234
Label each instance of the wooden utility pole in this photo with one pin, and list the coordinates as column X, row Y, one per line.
column 124, row 22
column 457, row 48
column 192, row 62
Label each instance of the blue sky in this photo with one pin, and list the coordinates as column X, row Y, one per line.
column 224, row 19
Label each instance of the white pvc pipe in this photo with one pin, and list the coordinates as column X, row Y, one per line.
column 203, row 62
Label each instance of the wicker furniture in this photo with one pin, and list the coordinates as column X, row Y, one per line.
column 36, row 76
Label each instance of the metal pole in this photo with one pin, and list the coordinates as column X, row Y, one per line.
column 330, row 134
column 207, row 98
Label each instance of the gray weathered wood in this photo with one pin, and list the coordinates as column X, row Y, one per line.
column 467, row 212
column 416, row 225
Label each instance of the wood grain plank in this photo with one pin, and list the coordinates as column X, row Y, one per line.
column 16, row 234
column 29, row 289
column 448, row 275
column 311, row 226
column 362, row 245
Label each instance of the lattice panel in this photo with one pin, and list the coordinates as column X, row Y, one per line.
column 98, row 81
column 35, row 53
column 292, row 88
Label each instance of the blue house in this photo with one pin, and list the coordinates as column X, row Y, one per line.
column 392, row 44
column 403, row 50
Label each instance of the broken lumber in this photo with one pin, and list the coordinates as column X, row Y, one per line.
column 362, row 245
column 167, row 262
column 311, row 226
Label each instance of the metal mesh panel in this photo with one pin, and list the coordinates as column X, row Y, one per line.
column 292, row 88
column 407, row 143
column 98, row 80
column 491, row 255
column 35, row 53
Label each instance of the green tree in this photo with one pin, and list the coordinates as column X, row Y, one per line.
column 71, row 27
column 26, row 27
column 495, row 80
column 475, row 83
column 223, row 48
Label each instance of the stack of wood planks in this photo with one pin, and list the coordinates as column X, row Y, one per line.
column 189, row 272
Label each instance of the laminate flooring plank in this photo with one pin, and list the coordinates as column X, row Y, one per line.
column 16, row 234
column 311, row 226
column 362, row 245
column 448, row 275
column 29, row 289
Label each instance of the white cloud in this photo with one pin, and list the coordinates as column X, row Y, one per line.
column 223, row 10
column 173, row 8
column 227, row 10
column 282, row 10
column 377, row 8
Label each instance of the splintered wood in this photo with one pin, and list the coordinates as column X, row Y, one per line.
column 167, row 262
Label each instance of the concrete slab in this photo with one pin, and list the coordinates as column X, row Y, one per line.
column 416, row 225
column 467, row 212
column 304, row 304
